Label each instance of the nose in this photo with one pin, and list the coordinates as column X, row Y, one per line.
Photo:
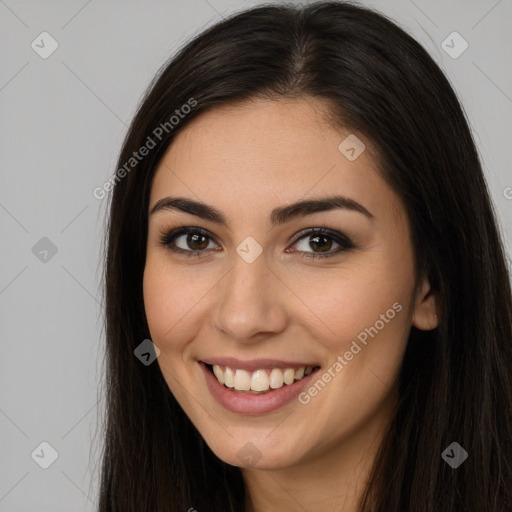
column 251, row 302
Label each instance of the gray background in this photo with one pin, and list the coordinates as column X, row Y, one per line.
column 62, row 122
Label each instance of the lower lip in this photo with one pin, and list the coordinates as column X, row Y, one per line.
column 245, row 403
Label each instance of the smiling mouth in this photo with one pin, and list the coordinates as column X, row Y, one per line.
column 261, row 381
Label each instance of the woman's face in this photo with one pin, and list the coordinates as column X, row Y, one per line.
column 244, row 291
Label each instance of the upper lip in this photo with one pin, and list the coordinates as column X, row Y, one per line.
column 255, row 364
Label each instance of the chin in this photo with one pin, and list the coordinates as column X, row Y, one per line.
column 258, row 452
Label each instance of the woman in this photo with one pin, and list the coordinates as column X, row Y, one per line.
column 301, row 232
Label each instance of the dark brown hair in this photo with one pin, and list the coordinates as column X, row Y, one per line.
column 455, row 382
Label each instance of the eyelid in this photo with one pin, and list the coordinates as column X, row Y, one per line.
column 320, row 230
column 168, row 236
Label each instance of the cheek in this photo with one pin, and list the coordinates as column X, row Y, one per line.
column 368, row 320
column 168, row 301
column 157, row 301
column 168, row 304
column 366, row 317
column 348, row 302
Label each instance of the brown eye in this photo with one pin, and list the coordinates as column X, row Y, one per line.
column 190, row 241
column 195, row 241
column 321, row 242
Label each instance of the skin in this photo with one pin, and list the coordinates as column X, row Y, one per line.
column 246, row 159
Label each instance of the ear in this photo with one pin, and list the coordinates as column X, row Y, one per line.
column 425, row 315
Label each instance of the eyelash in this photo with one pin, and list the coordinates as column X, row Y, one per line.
column 167, row 239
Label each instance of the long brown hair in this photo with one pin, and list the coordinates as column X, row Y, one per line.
column 455, row 383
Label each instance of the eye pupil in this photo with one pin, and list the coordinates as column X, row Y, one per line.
column 195, row 237
column 323, row 247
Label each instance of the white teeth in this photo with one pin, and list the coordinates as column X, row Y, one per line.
column 289, row 376
column 217, row 370
column 298, row 374
column 259, row 381
column 242, row 380
column 229, row 378
column 276, row 378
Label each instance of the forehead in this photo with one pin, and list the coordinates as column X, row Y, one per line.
column 258, row 134
column 266, row 153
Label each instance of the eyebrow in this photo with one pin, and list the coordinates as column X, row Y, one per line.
column 278, row 216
